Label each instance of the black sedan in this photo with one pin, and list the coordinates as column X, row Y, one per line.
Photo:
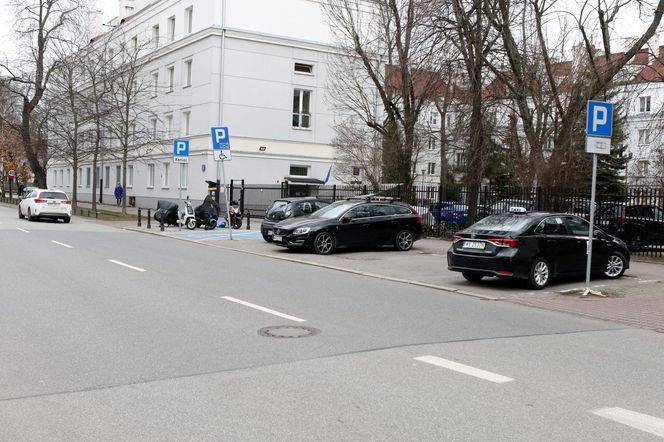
column 535, row 247
column 284, row 208
column 352, row 223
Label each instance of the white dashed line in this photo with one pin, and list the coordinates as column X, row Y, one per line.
column 465, row 369
column 263, row 309
column 640, row 421
column 62, row 244
column 22, row 230
column 138, row 269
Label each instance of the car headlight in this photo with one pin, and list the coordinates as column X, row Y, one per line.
column 301, row 230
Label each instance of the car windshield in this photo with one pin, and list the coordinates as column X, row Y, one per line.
column 277, row 209
column 502, row 223
column 334, row 210
column 53, row 196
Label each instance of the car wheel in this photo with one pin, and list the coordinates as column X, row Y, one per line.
column 191, row 223
column 615, row 266
column 540, row 273
column 267, row 238
column 20, row 214
column 472, row 277
column 324, row 243
column 30, row 218
column 635, row 242
column 66, row 219
column 404, row 240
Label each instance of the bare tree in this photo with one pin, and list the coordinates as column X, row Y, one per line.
column 357, row 147
column 39, row 24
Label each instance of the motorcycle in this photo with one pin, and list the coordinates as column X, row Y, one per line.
column 168, row 212
column 205, row 215
column 235, row 215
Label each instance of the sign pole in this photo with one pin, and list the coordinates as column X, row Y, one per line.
column 591, row 228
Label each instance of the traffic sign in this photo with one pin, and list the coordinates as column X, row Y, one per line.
column 220, row 138
column 222, row 155
column 600, row 119
column 598, row 145
column 181, row 151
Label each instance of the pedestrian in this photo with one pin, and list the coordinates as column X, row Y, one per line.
column 118, row 193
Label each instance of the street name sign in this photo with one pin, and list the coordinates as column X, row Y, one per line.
column 181, row 151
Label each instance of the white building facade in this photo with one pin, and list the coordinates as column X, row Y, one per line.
column 257, row 67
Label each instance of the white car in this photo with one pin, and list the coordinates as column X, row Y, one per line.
column 44, row 203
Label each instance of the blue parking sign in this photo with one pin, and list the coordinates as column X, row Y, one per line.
column 600, row 119
column 181, row 151
column 220, row 138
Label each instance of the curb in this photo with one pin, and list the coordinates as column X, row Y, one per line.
column 330, row 267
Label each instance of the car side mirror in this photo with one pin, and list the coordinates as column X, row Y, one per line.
column 345, row 220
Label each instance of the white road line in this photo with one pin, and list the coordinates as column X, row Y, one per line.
column 62, row 244
column 643, row 422
column 465, row 369
column 263, row 309
column 138, row 269
column 22, row 230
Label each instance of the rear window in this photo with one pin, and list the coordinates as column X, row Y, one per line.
column 53, row 196
column 277, row 209
column 502, row 223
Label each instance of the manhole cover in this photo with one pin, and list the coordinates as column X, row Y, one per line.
column 288, row 331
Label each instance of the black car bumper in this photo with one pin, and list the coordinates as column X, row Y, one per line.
column 294, row 241
column 503, row 265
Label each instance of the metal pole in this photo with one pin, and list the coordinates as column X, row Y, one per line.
column 180, row 197
column 591, row 228
column 223, row 177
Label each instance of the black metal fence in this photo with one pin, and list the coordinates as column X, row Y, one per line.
column 636, row 214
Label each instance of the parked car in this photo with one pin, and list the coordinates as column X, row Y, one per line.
column 450, row 213
column 44, row 203
column 284, row 208
column 638, row 225
column 355, row 222
column 535, row 247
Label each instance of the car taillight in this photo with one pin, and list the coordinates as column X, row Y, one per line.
column 39, row 200
column 419, row 218
column 456, row 238
column 66, row 202
column 504, row 242
column 620, row 219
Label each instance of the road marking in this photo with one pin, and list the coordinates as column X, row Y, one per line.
column 465, row 369
column 263, row 309
column 22, row 230
column 643, row 422
column 62, row 244
column 138, row 269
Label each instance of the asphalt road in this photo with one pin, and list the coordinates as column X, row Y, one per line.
column 108, row 334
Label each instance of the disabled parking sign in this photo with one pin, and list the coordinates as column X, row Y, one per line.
column 221, row 144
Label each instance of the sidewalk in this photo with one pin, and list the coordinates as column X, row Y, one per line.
column 637, row 299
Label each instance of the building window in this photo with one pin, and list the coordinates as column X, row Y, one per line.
column 107, row 177
column 448, row 120
column 644, row 136
column 431, row 168
column 130, row 176
column 118, row 174
column 68, row 177
column 155, row 36
column 79, row 177
column 299, row 170
column 133, row 43
column 155, row 84
column 188, row 19
column 171, row 78
column 356, row 171
column 460, row 160
column 301, row 108
column 88, row 176
column 303, row 68
column 186, row 119
column 433, row 118
column 187, row 73
column 150, row 176
column 644, row 104
column 642, row 167
column 184, row 169
column 169, row 125
column 171, row 28
column 164, row 177
column 153, row 128
column 432, row 143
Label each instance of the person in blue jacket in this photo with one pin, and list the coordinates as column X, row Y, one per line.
column 118, row 194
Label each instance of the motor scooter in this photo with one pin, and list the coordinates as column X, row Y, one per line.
column 204, row 215
column 235, row 215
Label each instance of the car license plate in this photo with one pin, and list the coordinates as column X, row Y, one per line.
column 277, row 237
column 473, row 245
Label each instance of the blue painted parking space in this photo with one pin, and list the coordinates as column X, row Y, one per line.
column 218, row 234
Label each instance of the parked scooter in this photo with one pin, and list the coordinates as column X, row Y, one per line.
column 188, row 217
column 205, row 215
column 235, row 215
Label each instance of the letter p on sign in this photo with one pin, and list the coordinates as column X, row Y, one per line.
column 600, row 119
